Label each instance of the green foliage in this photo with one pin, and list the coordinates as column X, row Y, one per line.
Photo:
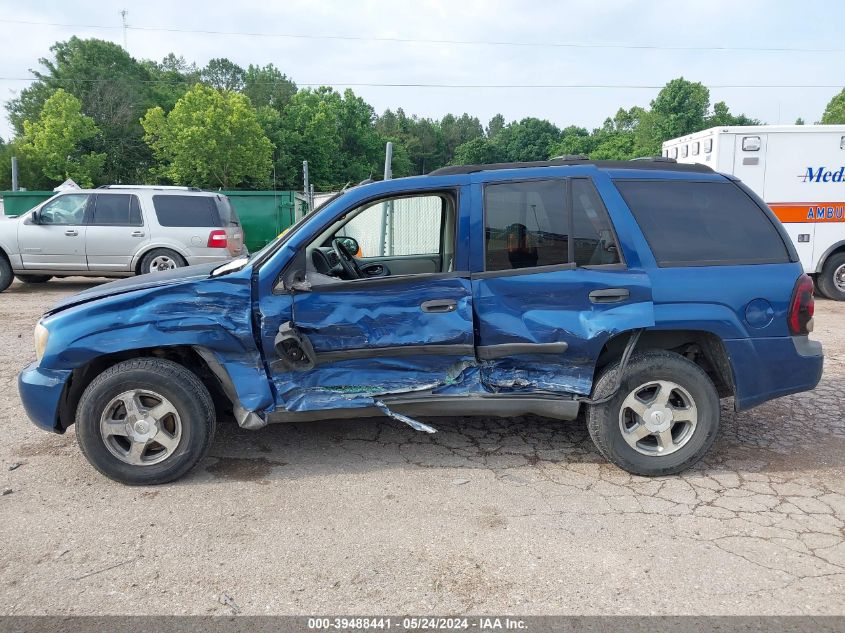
column 209, row 139
column 835, row 110
column 59, row 139
column 223, row 74
column 268, row 86
column 114, row 90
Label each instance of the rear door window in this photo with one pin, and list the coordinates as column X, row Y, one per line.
column 702, row 223
column 116, row 209
column 186, row 211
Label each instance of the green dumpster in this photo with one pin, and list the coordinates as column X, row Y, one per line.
column 19, row 202
column 264, row 214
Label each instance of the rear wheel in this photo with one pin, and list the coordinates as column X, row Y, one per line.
column 160, row 259
column 145, row 421
column 831, row 280
column 663, row 419
column 34, row 279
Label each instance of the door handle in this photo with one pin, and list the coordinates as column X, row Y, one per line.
column 71, row 232
column 439, row 305
column 137, row 234
column 609, row 295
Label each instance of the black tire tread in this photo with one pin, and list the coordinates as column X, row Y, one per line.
column 6, row 274
column 152, row 254
column 170, row 371
column 658, row 359
column 34, row 279
column 824, row 280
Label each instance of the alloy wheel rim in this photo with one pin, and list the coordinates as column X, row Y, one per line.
column 658, row 418
column 839, row 278
column 162, row 262
column 140, row 427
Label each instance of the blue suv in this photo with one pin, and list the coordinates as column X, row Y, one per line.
column 638, row 293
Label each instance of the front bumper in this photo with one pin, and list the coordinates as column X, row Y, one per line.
column 41, row 392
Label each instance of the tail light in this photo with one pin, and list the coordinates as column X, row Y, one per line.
column 217, row 239
column 801, row 307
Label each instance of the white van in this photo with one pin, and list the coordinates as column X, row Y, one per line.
column 799, row 170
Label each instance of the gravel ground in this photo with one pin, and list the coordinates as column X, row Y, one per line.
column 486, row 516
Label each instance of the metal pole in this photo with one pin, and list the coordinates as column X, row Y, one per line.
column 311, row 197
column 14, row 173
column 387, row 207
column 306, row 185
column 123, row 14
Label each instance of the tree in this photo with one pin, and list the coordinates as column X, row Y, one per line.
column 479, row 151
column 835, row 110
column 170, row 79
column 268, row 86
column 722, row 116
column 59, row 139
column 209, row 139
column 496, row 124
column 335, row 133
column 680, row 108
column 114, row 89
column 223, row 74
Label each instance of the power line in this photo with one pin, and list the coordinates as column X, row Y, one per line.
column 406, row 40
column 359, row 84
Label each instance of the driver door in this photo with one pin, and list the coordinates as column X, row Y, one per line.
column 57, row 241
column 387, row 333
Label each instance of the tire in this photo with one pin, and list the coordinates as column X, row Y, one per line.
column 34, row 279
column 695, row 396
column 826, row 279
column 160, row 259
column 6, row 274
column 185, row 423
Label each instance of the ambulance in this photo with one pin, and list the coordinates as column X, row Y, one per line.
column 799, row 170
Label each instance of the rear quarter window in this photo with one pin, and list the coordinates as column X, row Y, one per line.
column 702, row 223
column 186, row 211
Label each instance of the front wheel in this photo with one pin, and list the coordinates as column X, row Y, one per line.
column 145, row 421
column 831, row 280
column 663, row 419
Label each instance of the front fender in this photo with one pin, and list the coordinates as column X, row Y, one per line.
column 210, row 314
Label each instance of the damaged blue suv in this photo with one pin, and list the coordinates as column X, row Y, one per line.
column 637, row 292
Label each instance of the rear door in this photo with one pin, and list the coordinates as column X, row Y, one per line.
column 57, row 242
column 555, row 286
column 115, row 231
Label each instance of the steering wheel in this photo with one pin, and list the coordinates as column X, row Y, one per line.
column 347, row 261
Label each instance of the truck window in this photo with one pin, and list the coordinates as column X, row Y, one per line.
column 708, row 145
column 702, row 223
column 695, row 148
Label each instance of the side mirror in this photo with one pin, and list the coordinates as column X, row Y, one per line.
column 36, row 216
column 351, row 245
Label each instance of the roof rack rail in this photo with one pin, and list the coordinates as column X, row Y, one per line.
column 655, row 163
column 654, row 159
column 571, row 157
column 159, row 187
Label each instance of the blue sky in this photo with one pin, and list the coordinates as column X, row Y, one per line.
column 721, row 23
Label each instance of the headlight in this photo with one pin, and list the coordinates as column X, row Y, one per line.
column 41, row 336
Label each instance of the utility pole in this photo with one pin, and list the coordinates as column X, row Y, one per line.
column 123, row 14
column 387, row 207
column 306, row 186
column 14, row 173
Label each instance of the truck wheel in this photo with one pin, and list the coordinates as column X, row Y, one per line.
column 6, row 274
column 662, row 420
column 831, row 280
column 34, row 279
column 145, row 421
column 160, row 259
